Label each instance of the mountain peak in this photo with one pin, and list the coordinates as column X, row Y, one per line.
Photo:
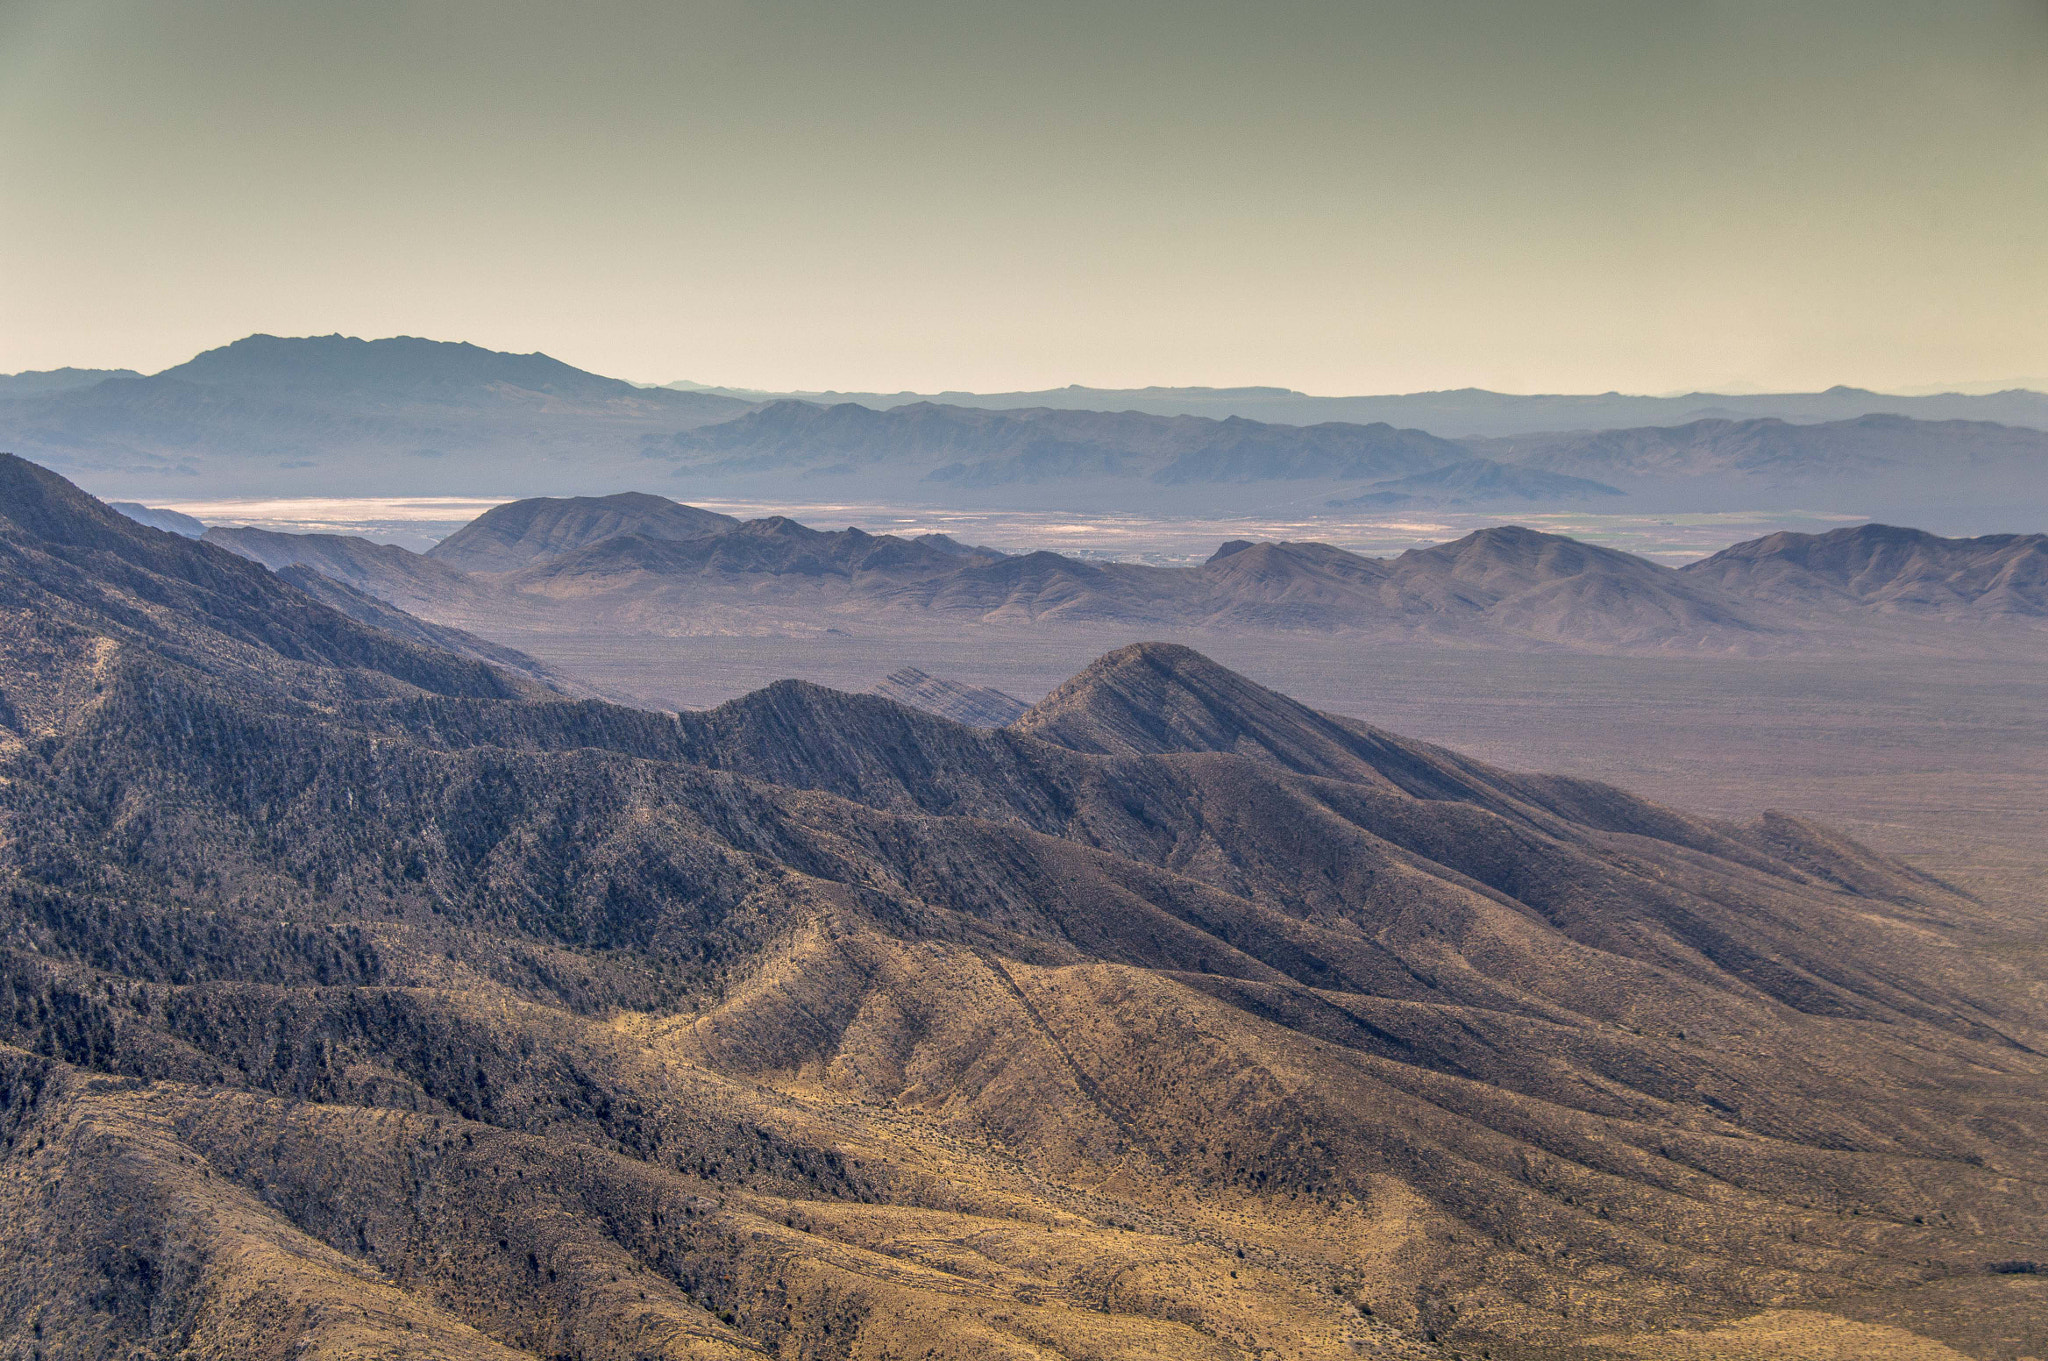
column 1229, row 548
column 1154, row 698
column 510, row 536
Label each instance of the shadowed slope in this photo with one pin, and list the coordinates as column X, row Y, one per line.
column 977, row 706
column 399, row 576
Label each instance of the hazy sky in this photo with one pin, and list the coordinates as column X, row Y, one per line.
column 1535, row 195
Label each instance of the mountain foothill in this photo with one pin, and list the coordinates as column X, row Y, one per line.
column 363, row 996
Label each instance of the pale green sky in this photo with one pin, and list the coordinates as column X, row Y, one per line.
column 1552, row 195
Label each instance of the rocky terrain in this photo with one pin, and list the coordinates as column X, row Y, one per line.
column 1891, row 570
column 522, row 532
column 978, row 706
column 360, row 998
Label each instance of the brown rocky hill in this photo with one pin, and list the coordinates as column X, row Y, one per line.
column 513, row 535
column 1889, row 569
column 358, row 999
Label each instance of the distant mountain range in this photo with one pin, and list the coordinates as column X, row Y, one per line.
column 334, row 416
column 46, row 382
column 975, row 448
column 1890, row 460
column 639, row 564
column 1461, row 412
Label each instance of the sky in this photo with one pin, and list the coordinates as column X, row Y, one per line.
column 1361, row 197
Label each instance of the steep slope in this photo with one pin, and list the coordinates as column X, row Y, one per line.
column 1893, row 570
column 398, row 576
column 358, row 1002
column 89, row 588
column 368, row 609
column 157, row 518
column 510, row 536
column 978, row 706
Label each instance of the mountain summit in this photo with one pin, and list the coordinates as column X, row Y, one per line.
column 511, row 536
column 383, row 370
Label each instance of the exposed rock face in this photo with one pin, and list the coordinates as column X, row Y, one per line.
column 361, row 999
column 978, row 706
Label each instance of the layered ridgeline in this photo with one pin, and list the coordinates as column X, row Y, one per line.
column 1889, row 461
column 639, row 564
column 1461, row 413
column 333, row 415
column 364, row 999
